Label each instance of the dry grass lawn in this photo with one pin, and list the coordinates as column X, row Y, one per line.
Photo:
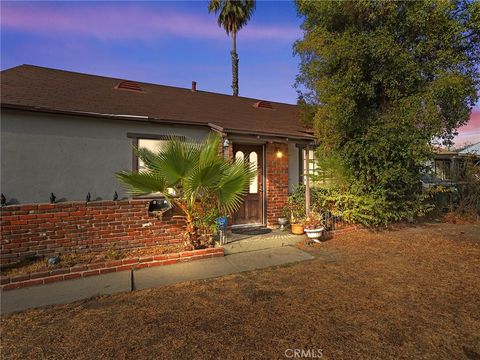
column 410, row 293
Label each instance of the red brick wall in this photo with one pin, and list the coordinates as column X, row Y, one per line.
column 44, row 229
column 277, row 181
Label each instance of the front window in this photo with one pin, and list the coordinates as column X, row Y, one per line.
column 154, row 145
column 311, row 165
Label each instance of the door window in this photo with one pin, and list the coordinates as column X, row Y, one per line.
column 239, row 156
column 253, row 158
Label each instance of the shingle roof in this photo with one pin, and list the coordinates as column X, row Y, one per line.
column 45, row 89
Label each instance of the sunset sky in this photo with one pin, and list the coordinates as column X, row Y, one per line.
column 170, row 43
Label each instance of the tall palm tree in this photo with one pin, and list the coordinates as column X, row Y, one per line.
column 193, row 177
column 232, row 16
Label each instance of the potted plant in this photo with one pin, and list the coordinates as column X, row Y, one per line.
column 282, row 221
column 295, row 212
column 296, row 226
column 314, row 226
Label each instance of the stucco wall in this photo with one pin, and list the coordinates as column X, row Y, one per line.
column 69, row 156
column 293, row 167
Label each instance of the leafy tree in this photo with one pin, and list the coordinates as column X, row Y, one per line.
column 386, row 80
column 232, row 16
column 193, row 177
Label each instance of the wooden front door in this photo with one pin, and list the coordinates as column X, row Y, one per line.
column 251, row 209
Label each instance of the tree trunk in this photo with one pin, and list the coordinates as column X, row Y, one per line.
column 234, row 64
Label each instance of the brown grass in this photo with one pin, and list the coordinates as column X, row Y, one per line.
column 410, row 293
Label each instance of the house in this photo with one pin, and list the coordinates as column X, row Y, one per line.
column 67, row 133
column 469, row 150
column 448, row 166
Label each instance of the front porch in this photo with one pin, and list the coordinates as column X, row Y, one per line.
column 281, row 165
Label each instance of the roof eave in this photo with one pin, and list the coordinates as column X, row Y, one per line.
column 254, row 133
column 145, row 118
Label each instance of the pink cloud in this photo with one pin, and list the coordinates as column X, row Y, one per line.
column 469, row 133
column 123, row 22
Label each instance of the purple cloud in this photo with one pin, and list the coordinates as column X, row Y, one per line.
column 126, row 22
column 470, row 133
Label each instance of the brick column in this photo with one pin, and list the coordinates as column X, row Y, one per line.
column 277, row 181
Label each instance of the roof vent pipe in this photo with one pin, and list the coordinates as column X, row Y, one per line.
column 194, row 86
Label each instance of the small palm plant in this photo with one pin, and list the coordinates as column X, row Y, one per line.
column 193, row 177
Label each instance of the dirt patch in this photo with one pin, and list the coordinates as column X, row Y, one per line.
column 454, row 218
column 409, row 293
column 68, row 260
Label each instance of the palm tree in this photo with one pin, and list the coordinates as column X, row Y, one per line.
column 193, row 177
column 232, row 16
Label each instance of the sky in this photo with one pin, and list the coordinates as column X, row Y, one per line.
column 165, row 42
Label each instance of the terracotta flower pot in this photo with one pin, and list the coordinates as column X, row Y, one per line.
column 297, row 229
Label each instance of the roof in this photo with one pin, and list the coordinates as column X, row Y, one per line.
column 473, row 149
column 50, row 90
column 443, row 151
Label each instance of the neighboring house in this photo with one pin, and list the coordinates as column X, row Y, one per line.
column 473, row 149
column 68, row 133
column 448, row 166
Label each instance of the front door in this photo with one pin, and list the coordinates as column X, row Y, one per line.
column 251, row 209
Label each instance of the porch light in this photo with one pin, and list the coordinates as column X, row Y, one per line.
column 278, row 153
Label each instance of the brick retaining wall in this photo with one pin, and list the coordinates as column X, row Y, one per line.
column 104, row 267
column 44, row 229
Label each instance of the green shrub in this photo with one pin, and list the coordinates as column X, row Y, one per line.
column 371, row 209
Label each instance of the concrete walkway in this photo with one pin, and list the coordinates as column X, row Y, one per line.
column 241, row 243
column 78, row 289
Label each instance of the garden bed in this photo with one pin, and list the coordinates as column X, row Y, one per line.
column 74, row 266
column 39, row 264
